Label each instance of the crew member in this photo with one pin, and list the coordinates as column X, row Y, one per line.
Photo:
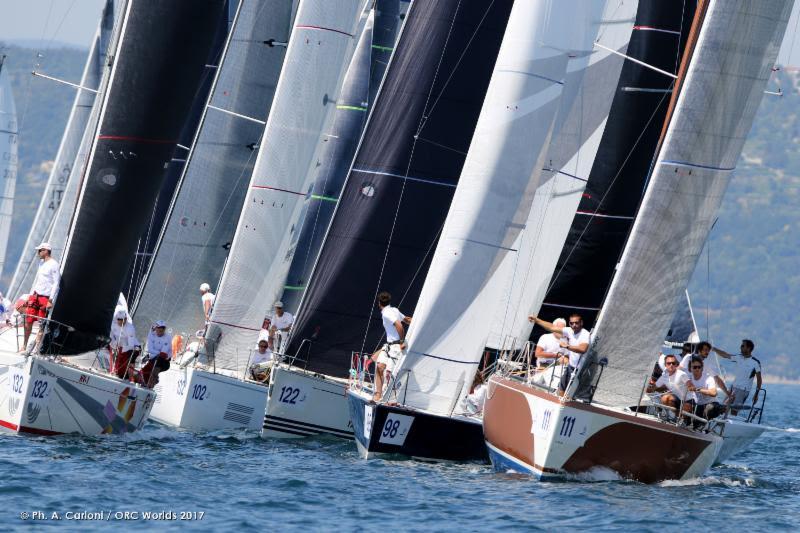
column 747, row 368
column 262, row 360
column 159, row 352
column 124, row 345
column 207, row 299
column 672, row 383
column 703, row 350
column 387, row 356
column 576, row 340
column 702, row 385
column 280, row 325
column 42, row 293
column 548, row 349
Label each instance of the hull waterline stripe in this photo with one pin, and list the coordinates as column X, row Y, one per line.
column 322, row 28
column 389, row 174
column 134, row 139
column 26, row 429
column 306, row 424
column 281, row 430
column 695, row 165
column 276, row 189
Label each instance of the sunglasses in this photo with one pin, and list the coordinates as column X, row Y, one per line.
column 695, row 367
column 671, row 363
column 575, row 323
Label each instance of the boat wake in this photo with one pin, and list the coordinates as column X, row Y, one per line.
column 710, row 481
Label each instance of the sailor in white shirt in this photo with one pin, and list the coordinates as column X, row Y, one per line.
column 549, row 349
column 280, row 325
column 703, row 350
column 388, row 355
column 262, row 359
column 576, row 340
column 672, row 382
column 472, row 404
column 124, row 345
column 42, row 293
column 207, row 299
column 703, row 390
column 159, row 352
column 747, row 368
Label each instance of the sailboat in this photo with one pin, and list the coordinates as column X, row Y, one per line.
column 211, row 388
column 403, row 176
column 597, row 423
column 547, row 47
column 143, row 107
column 8, row 159
column 358, row 94
column 62, row 172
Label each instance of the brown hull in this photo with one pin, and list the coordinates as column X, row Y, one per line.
column 573, row 437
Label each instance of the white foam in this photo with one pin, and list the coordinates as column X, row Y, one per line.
column 710, row 480
column 597, row 473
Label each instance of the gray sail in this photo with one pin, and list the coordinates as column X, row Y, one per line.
column 683, row 327
column 61, row 173
column 719, row 94
column 8, row 159
column 202, row 219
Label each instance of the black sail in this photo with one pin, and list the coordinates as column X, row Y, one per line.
column 160, row 62
column 619, row 174
column 365, row 72
column 402, row 180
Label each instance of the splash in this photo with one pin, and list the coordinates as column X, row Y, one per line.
column 709, row 481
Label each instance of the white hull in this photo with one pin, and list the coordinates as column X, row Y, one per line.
column 737, row 436
column 303, row 404
column 41, row 396
column 196, row 399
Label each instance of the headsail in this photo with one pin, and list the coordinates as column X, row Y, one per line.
column 143, row 110
column 8, row 160
column 722, row 84
column 683, row 327
column 496, row 190
column 402, row 180
column 202, row 219
column 366, row 68
column 62, row 171
column 322, row 41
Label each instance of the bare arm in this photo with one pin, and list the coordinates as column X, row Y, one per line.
column 721, row 385
column 549, row 326
column 581, row 348
column 720, row 352
column 407, row 320
column 541, row 354
column 758, row 386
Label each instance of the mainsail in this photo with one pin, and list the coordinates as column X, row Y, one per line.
column 402, row 180
column 367, row 67
column 143, row 110
column 617, row 181
column 8, row 159
column 202, row 218
column 721, row 85
column 496, row 189
column 579, row 127
column 62, row 171
column 320, row 46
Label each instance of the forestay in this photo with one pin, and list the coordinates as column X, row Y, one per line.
column 202, row 219
column 402, row 180
column 61, row 172
column 493, row 197
column 322, row 41
column 8, row 160
column 719, row 96
column 592, row 78
column 147, row 102
column 365, row 71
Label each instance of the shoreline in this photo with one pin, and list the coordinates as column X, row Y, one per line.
column 779, row 380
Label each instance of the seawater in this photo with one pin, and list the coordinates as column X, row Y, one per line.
column 173, row 479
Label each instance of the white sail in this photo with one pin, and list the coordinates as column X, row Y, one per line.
column 320, row 46
column 496, row 190
column 65, row 157
column 576, row 139
column 8, row 160
column 201, row 221
column 719, row 96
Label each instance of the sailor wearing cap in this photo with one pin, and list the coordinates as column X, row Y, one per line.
column 207, row 299
column 45, row 287
column 159, row 352
column 262, row 358
column 124, row 345
column 280, row 325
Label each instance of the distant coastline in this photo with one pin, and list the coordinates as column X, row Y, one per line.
column 779, row 380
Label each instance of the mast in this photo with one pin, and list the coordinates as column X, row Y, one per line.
column 722, row 83
column 365, row 71
column 8, row 159
column 498, row 184
column 146, row 104
column 320, row 46
column 402, row 179
column 201, row 221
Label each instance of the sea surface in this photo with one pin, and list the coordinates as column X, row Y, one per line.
column 239, row 482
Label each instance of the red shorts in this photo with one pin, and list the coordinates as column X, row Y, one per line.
column 36, row 308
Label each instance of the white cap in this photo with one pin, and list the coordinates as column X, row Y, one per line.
column 120, row 314
column 561, row 321
column 205, row 287
column 160, row 324
column 44, row 246
column 278, row 304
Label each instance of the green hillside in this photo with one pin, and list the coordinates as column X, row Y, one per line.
column 754, row 280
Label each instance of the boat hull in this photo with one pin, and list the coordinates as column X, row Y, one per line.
column 737, row 436
column 382, row 429
column 303, row 404
column 44, row 397
column 530, row 431
column 192, row 398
